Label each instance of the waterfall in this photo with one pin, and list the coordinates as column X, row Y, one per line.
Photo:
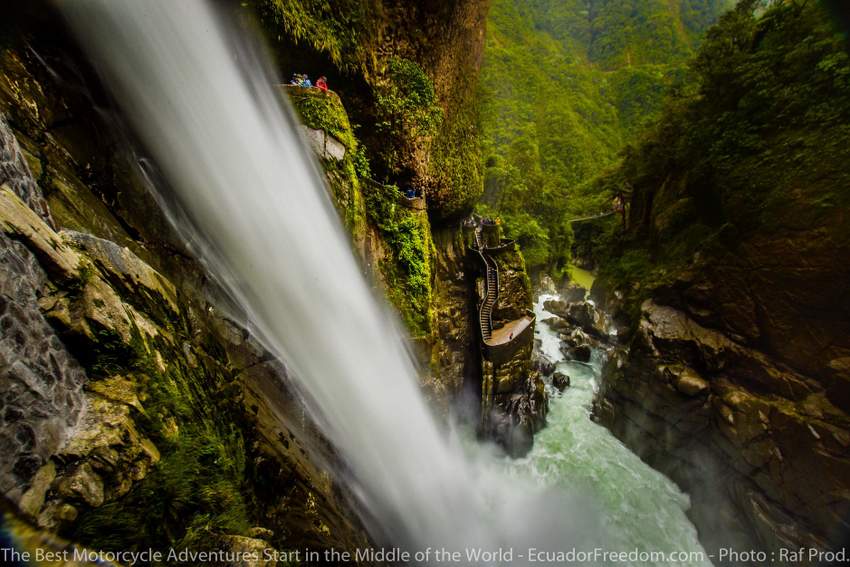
column 269, row 233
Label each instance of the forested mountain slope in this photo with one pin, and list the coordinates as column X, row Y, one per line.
column 734, row 271
column 564, row 86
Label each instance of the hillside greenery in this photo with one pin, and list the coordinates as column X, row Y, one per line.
column 759, row 144
column 564, row 86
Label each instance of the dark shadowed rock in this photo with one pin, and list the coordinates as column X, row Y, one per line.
column 557, row 324
column 556, row 307
column 561, row 381
column 730, row 413
column 581, row 353
column 582, row 314
column 542, row 363
column 573, row 293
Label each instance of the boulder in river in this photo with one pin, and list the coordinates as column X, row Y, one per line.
column 561, row 381
column 582, row 314
column 581, row 353
column 557, row 324
column 585, row 315
column 573, row 293
column 556, row 307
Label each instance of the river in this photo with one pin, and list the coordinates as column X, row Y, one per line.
column 640, row 508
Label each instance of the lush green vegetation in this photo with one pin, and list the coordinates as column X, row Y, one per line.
column 407, row 113
column 565, row 85
column 407, row 105
column 407, row 272
column 341, row 29
column 758, row 144
column 420, row 128
column 323, row 111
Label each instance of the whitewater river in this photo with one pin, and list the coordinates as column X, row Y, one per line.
column 641, row 508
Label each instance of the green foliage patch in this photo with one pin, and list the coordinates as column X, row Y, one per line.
column 406, row 110
column 408, row 271
column 323, row 110
column 565, row 84
column 758, row 145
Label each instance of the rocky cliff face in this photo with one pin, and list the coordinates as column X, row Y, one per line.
column 420, row 262
column 743, row 432
column 736, row 382
column 135, row 412
column 406, row 72
column 138, row 405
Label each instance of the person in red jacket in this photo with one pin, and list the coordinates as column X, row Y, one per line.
column 322, row 83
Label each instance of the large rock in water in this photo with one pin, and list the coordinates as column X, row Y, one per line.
column 573, row 293
column 520, row 417
column 742, row 432
column 583, row 314
column 582, row 353
column 561, row 381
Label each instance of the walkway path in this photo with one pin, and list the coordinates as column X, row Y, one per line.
column 485, row 314
column 512, row 329
column 506, row 334
column 591, row 217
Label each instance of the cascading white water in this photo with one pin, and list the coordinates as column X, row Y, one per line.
column 271, row 236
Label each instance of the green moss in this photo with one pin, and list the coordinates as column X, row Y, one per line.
column 194, row 488
column 323, row 110
column 580, row 277
column 407, row 273
column 406, row 233
column 455, row 163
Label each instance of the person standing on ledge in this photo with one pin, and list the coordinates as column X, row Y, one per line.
column 322, row 83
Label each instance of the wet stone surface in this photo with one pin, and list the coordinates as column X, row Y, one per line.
column 41, row 383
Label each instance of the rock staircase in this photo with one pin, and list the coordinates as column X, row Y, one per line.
column 485, row 314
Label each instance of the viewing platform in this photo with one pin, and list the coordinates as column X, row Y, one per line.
column 416, row 202
column 498, row 344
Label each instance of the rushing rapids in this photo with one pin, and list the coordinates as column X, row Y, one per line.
column 643, row 511
column 266, row 230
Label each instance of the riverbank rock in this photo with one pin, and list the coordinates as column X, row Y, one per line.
column 741, row 431
column 557, row 324
column 522, row 415
column 581, row 353
column 542, row 364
